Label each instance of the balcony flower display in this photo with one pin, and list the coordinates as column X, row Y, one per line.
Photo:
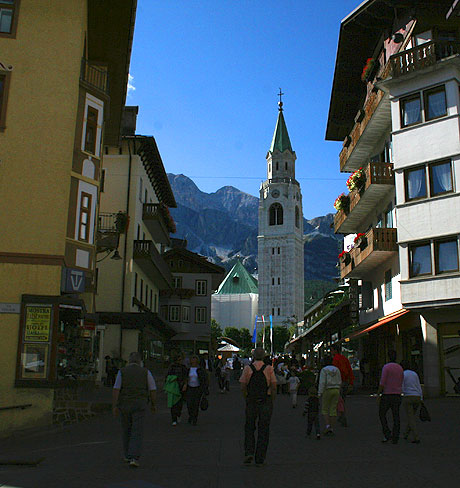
column 345, row 257
column 360, row 240
column 342, row 202
column 356, row 179
column 368, row 69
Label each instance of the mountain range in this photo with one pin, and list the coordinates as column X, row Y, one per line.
column 223, row 226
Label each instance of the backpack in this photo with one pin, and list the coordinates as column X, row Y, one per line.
column 257, row 386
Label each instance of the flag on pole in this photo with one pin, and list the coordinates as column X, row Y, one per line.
column 254, row 334
column 263, row 333
column 271, row 333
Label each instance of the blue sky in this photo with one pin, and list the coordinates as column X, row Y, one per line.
column 206, row 74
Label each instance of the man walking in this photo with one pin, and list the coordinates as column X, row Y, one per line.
column 348, row 378
column 390, row 390
column 133, row 387
column 258, row 384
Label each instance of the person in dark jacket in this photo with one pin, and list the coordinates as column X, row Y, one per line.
column 195, row 387
column 178, row 370
column 133, row 388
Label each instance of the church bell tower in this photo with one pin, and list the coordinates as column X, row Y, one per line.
column 280, row 239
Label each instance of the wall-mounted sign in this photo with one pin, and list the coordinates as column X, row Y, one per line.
column 74, row 281
column 37, row 325
column 10, row 308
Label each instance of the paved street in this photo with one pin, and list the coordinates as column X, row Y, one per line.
column 210, row 454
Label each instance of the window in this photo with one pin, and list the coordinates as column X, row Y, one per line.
column 164, row 312
column 277, row 166
column 151, row 300
column 138, row 235
column 142, row 290
column 446, row 255
column 285, row 166
column 420, row 259
column 279, row 250
column 186, row 314
column 102, row 182
column 297, row 217
column 415, row 180
column 201, row 287
column 8, row 17
column 145, row 196
column 435, row 103
column 85, row 214
column 389, row 217
column 440, row 178
column 273, row 250
column 155, row 302
column 273, row 311
column 177, row 281
column 200, row 315
column 135, row 285
column 388, row 288
column 273, row 281
column 141, row 184
column 411, row 110
column 4, row 82
column 279, row 311
column 279, row 281
column 91, row 130
column 174, row 313
column 276, row 214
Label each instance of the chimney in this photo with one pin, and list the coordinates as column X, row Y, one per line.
column 128, row 121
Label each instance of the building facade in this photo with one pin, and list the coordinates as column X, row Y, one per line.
column 235, row 303
column 187, row 306
column 50, row 148
column 134, row 229
column 280, row 238
column 400, row 129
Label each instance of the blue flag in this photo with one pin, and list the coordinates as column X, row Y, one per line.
column 254, row 334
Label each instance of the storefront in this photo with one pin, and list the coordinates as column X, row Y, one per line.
column 449, row 351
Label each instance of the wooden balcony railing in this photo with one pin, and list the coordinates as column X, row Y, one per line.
column 159, row 211
column 372, row 250
column 95, row 76
column 370, row 106
column 422, row 56
column 147, row 255
column 378, row 178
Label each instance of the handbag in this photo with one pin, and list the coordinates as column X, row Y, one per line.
column 424, row 414
column 204, row 404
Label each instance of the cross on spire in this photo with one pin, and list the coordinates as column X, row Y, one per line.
column 280, row 103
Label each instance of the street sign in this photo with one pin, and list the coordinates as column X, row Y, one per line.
column 10, row 308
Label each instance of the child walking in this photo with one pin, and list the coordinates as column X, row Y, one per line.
column 293, row 383
column 312, row 411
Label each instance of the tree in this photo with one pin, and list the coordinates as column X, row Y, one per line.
column 246, row 339
column 233, row 333
column 216, row 332
column 280, row 337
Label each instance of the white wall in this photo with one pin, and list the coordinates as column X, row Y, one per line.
column 235, row 310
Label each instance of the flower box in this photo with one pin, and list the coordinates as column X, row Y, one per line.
column 356, row 180
column 360, row 241
column 344, row 257
column 369, row 70
column 342, row 202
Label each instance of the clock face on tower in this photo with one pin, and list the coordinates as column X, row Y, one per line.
column 275, row 193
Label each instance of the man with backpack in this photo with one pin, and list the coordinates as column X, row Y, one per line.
column 258, row 384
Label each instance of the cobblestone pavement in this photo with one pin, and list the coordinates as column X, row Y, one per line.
column 210, row 455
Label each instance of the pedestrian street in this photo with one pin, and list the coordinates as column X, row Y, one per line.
column 210, row 454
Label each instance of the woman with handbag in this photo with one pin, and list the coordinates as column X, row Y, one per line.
column 412, row 399
column 196, row 386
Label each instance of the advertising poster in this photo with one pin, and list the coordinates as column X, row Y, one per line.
column 38, row 323
column 34, row 361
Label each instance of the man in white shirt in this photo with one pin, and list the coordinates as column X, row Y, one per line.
column 412, row 399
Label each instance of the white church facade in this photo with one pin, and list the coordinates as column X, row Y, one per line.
column 280, row 239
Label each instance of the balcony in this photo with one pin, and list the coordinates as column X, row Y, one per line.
column 372, row 121
column 158, row 221
column 109, row 228
column 183, row 293
column 94, row 76
column 147, row 257
column 379, row 180
column 375, row 247
column 423, row 56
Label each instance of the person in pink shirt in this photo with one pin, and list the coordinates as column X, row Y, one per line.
column 390, row 390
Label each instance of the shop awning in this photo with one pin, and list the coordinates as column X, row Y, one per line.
column 379, row 323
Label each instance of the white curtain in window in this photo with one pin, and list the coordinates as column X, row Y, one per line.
column 415, row 183
column 412, row 112
column 442, row 178
column 436, row 104
column 421, row 260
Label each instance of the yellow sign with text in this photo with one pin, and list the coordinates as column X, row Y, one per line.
column 38, row 324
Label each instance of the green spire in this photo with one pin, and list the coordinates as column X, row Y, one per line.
column 238, row 280
column 280, row 137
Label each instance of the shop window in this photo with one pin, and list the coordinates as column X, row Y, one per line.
column 440, row 178
column 415, row 182
column 174, row 313
column 411, row 110
column 201, row 287
column 85, row 214
column 200, row 315
column 8, row 17
column 91, row 130
column 186, row 314
column 420, row 259
column 446, row 256
column 388, row 286
column 435, row 103
column 276, row 214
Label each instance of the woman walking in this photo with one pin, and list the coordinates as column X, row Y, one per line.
column 330, row 382
column 412, row 399
column 175, row 386
column 196, row 386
